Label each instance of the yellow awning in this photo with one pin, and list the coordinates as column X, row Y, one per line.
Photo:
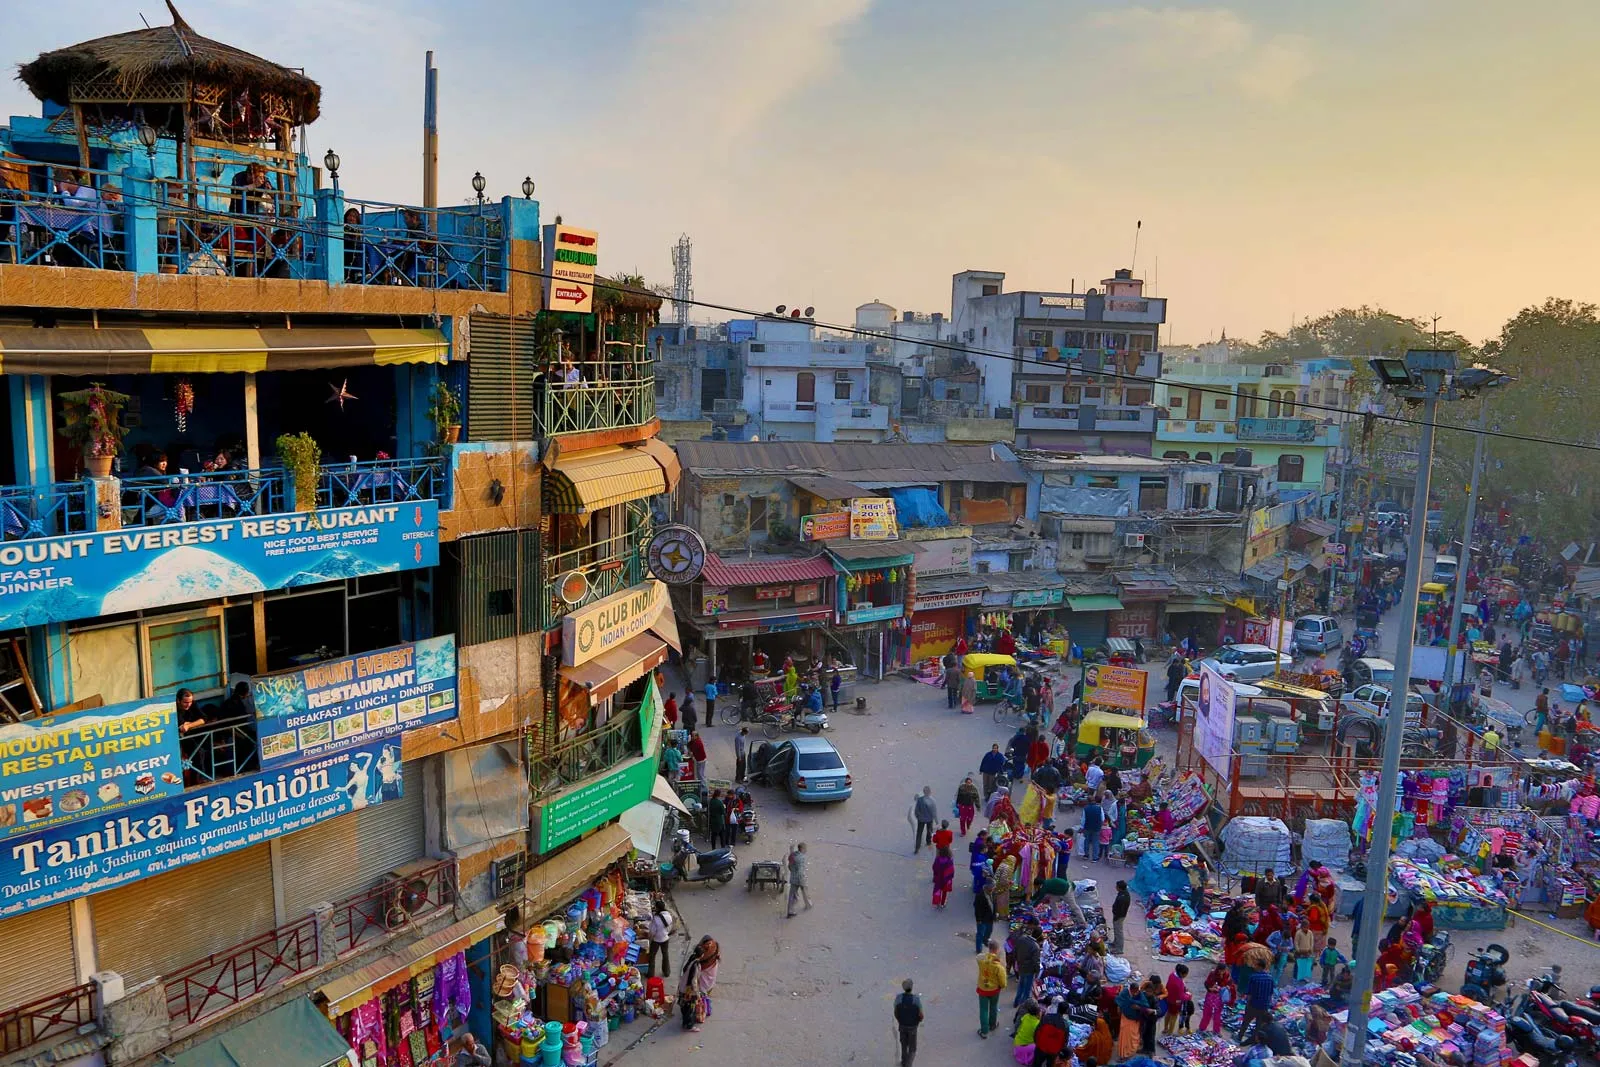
column 618, row 668
column 208, row 350
column 563, row 876
column 597, row 478
column 375, row 979
column 665, row 455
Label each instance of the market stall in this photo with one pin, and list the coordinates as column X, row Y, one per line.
column 1252, row 843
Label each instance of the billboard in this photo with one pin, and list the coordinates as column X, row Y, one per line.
column 93, row 855
column 82, row 576
column 825, row 526
column 354, row 699
column 85, row 764
column 873, row 518
column 582, row 809
column 1213, row 726
column 1116, row 687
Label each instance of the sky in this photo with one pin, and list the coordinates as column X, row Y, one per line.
column 1285, row 157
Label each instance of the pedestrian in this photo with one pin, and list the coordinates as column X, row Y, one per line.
column 966, row 804
column 711, row 702
column 1025, row 957
column 907, row 1017
column 1091, row 829
column 1026, row 1024
column 1150, row 995
column 1330, row 961
column 671, row 760
column 1355, row 923
column 990, row 767
column 687, row 712
column 1177, row 996
column 983, row 917
column 716, row 818
column 1318, row 918
column 661, row 923
column 1259, row 993
column 697, row 749
column 699, row 979
column 991, row 983
column 944, row 877
column 669, row 711
column 835, row 684
column 953, row 678
column 1176, row 672
column 924, row 810
column 1119, row 912
column 1093, row 776
column 1017, row 751
column 741, row 752
column 472, row 1054
column 1218, row 982
column 797, row 877
column 969, row 693
column 1304, row 953
column 1269, row 890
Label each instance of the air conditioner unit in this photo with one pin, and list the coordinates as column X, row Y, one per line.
column 841, row 376
column 1133, row 540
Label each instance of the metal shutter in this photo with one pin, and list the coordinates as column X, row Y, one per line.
column 160, row 924
column 498, row 351
column 314, row 863
column 44, row 939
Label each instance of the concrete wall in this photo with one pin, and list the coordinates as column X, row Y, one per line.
column 474, row 470
column 725, row 524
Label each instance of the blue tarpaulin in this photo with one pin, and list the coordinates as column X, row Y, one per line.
column 918, row 507
column 1161, row 872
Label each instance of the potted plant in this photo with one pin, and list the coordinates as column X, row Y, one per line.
column 92, row 420
column 444, row 408
column 302, row 458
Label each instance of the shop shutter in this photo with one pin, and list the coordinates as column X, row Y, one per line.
column 158, row 925
column 315, row 865
column 500, row 373
column 43, row 939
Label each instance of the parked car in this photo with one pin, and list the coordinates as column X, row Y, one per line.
column 1315, row 634
column 810, row 768
column 1369, row 669
column 1247, row 662
column 1373, row 699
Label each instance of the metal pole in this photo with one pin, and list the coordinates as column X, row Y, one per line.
column 1466, row 550
column 1338, row 537
column 1374, row 899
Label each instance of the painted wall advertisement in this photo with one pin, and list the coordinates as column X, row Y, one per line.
column 873, row 518
column 354, row 699
column 86, row 764
column 1116, row 687
column 57, row 579
column 93, row 855
column 825, row 526
column 933, row 633
column 586, row 807
column 1213, row 728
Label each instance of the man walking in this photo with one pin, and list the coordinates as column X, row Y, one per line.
column 1259, row 992
column 797, row 877
column 690, row 717
column 1119, row 912
column 697, row 749
column 1175, row 676
column 741, row 752
column 907, row 1017
column 660, row 934
column 717, row 819
column 711, row 702
column 983, row 916
column 835, row 684
column 1025, row 954
column 924, row 810
column 1269, row 890
column 992, row 764
column 991, row 982
column 952, row 682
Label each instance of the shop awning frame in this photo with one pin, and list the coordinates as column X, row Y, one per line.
column 587, row 481
column 566, row 874
column 225, row 350
column 1195, row 605
column 375, row 979
column 615, row 669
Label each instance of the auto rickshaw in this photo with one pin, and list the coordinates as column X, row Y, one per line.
column 1432, row 597
column 1122, row 652
column 1122, row 739
column 986, row 668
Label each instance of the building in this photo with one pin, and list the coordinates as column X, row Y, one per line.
column 699, row 378
column 1045, row 358
column 296, row 456
column 802, row 387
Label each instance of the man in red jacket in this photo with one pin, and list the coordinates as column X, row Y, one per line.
column 697, row 749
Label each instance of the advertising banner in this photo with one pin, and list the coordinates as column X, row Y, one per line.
column 1116, row 687
column 354, row 700
column 651, row 713
column 86, row 764
column 81, row 576
column 825, row 526
column 607, row 623
column 933, row 633
column 873, row 518
column 1213, row 728
column 586, row 807
column 93, row 855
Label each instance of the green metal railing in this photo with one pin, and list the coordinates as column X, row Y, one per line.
column 605, row 567
column 586, row 755
column 603, row 405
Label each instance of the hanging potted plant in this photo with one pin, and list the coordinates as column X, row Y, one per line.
column 444, row 408
column 92, row 420
column 302, row 458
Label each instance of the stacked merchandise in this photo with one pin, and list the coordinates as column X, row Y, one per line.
column 1065, row 940
column 1566, row 891
column 1185, row 799
column 410, row 1023
column 1461, row 898
column 1201, row 1050
column 1405, row 1028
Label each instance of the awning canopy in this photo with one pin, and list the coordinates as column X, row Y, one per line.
column 1194, row 605
column 1094, row 603
column 295, row 1034
column 564, row 875
column 65, row 350
column 828, row 487
column 375, row 979
column 724, row 573
column 596, row 478
column 870, row 555
column 614, row 670
column 645, row 821
column 771, row 616
column 665, row 455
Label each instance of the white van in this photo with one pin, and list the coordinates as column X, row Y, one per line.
column 1444, row 569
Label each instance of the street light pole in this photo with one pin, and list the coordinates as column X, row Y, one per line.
column 1466, row 551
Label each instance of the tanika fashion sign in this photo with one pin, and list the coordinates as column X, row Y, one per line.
column 93, row 855
column 58, row 579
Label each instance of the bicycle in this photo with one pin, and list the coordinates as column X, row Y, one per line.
column 1005, row 706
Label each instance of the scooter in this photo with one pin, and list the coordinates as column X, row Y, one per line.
column 782, row 716
column 716, row 866
column 1552, row 1050
column 1485, row 973
column 1554, row 1017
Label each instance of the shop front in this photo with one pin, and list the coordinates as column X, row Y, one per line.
column 1142, row 598
column 1090, row 618
column 608, row 648
column 874, row 584
column 942, row 612
column 777, row 608
column 1201, row 616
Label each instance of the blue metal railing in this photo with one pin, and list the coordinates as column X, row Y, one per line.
column 57, row 223
column 443, row 249
column 382, row 481
column 157, row 499
column 28, row 511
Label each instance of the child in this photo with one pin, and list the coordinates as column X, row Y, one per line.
column 1218, row 982
column 1303, row 944
column 1330, row 959
column 1186, row 1016
column 1177, row 996
column 1105, row 841
column 944, row 877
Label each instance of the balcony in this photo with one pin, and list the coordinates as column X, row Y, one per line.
column 806, row 354
column 1086, row 419
column 1304, row 432
column 38, row 1021
column 598, row 395
column 586, row 755
column 605, row 567
column 849, row 415
column 1079, row 363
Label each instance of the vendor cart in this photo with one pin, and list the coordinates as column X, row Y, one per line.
column 765, row 873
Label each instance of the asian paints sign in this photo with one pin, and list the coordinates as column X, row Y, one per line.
column 354, row 699
column 93, row 855
column 57, row 579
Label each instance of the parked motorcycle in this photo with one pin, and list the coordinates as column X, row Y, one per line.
column 1551, row 1050
column 716, row 866
column 1563, row 1018
column 781, row 716
column 1485, row 973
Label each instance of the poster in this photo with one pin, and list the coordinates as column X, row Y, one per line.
column 825, row 526
column 82, row 576
column 1213, row 727
column 872, row 518
column 354, row 699
column 85, row 764
column 933, row 633
column 91, row 856
column 1116, row 687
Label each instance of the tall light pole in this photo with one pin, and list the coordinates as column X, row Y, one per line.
column 1426, row 376
column 1466, row 553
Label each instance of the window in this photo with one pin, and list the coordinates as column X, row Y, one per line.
column 820, row 761
column 1072, row 339
column 1219, row 404
column 805, row 391
column 1136, row 396
column 758, row 514
column 1071, row 394
column 841, row 389
column 988, row 491
column 1288, row 403
column 1248, row 402
column 1152, row 493
column 758, row 346
column 1116, row 340
column 991, row 290
column 983, row 566
column 1036, row 394
column 661, row 387
column 1141, row 342
column 1040, row 338
column 1198, row 496
column 1091, row 392
column 1091, row 339
column 1102, row 481
column 1172, row 454
column 1077, row 542
column 1316, row 396
column 1203, row 457
column 1097, row 544
column 1176, row 400
column 1274, row 405
column 1291, row 467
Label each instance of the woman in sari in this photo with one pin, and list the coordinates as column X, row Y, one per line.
column 699, row 978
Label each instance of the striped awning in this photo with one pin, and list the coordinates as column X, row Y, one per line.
column 596, row 478
column 375, row 979
column 201, row 351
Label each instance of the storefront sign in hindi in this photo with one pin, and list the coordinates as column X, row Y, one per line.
column 83, row 576
column 581, row 810
column 825, row 526
column 1116, row 687
column 607, row 623
column 872, row 518
column 93, row 855
column 354, row 699
column 63, row 768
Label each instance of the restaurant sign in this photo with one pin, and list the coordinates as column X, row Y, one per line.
column 580, row 810
column 85, row 764
column 607, row 623
column 82, row 576
column 354, row 699
column 825, row 526
column 93, row 855
column 570, row 258
column 872, row 518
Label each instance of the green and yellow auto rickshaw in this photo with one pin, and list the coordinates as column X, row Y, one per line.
column 1121, row 740
column 987, row 668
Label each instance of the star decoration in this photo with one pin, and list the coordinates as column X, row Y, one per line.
column 341, row 393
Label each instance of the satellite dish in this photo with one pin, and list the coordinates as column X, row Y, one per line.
column 795, row 314
column 782, row 308
column 810, row 312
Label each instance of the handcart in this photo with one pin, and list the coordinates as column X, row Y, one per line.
column 766, row 873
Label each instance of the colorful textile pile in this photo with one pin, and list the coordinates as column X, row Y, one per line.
column 1447, row 882
column 1405, row 1027
column 1201, row 1050
column 1177, row 933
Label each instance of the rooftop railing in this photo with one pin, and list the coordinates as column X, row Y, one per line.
column 607, row 567
column 602, row 394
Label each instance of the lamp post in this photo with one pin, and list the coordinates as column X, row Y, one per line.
column 1424, row 377
column 527, row 188
column 1466, row 554
column 148, row 136
column 479, row 183
column 331, row 162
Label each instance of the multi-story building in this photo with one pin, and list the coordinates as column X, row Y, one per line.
column 699, row 379
column 295, row 515
column 799, row 386
column 1047, row 358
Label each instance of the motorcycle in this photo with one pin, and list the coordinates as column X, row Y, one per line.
column 1563, row 1018
column 780, row 716
column 715, row 866
column 1551, row 1050
column 1485, row 973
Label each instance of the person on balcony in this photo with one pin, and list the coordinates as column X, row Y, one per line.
column 252, row 195
column 82, row 201
column 355, row 253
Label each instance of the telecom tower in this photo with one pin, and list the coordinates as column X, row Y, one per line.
column 682, row 280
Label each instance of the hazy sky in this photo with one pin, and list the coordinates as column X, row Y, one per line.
column 1286, row 156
